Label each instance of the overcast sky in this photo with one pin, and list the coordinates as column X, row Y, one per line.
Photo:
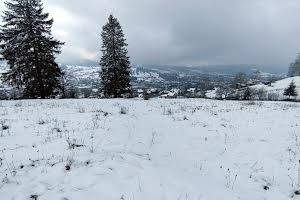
column 182, row 32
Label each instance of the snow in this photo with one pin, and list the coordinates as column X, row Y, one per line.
column 147, row 76
column 279, row 86
column 161, row 149
column 211, row 94
column 84, row 72
column 172, row 93
column 192, row 90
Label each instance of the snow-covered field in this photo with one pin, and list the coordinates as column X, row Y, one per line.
column 185, row 149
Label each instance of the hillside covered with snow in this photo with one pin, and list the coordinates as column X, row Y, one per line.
column 279, row 86
column 186, row 149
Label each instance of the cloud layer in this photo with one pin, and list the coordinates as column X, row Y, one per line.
column 191, row 32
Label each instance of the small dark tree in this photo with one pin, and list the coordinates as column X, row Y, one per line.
column 29, row 49
column 291, row 90
column 115, row 64
column 247, row 95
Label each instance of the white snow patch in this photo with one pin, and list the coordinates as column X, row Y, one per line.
column 187, row 149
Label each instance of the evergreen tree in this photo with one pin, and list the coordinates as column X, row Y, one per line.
column 29, row 49
column 115, row 64
column 247, row 95
column 291, row 90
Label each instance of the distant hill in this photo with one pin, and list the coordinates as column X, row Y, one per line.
column 226, row 70
column 155, row 75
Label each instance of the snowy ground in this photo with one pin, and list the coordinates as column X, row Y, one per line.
column 185, row 149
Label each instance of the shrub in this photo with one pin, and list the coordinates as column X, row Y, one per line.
column 273, row 97
column 123, row 110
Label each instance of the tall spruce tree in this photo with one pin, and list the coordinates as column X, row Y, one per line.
column 29, row 49
column 115, row 64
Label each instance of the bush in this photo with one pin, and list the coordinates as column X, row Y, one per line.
column 123, row 110
column 273, row 97
column 146, row 96
column 226, row 92
column 71, row 93
column 261, row 94
column 248, row 93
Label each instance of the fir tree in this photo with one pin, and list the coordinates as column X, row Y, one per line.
column 29, row 49
column 115, row 64
column 291, row 90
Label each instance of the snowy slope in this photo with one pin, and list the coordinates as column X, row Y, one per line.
column 152, row 150
column 279, row 86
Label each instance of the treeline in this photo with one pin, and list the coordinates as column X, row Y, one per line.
column 28, row 47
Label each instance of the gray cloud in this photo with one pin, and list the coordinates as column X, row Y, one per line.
column 191, row 32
